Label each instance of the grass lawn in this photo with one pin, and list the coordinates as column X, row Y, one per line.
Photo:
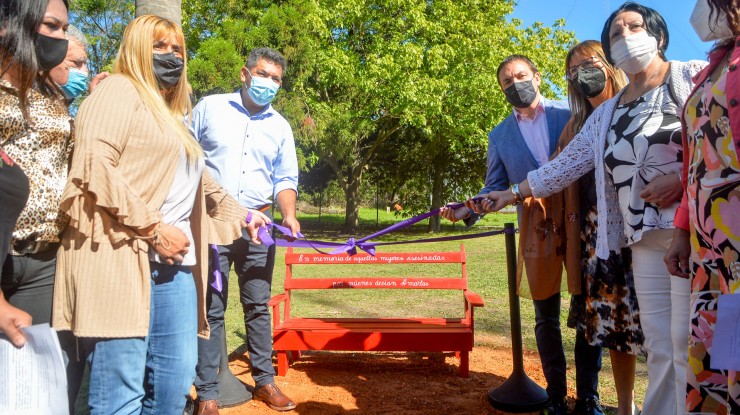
column 486, row 272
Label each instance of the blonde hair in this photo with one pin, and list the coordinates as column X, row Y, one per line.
column 134, row 61
column 580, row 107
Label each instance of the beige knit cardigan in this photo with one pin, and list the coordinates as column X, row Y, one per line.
column 123, row 166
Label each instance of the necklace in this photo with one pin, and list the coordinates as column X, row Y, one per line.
column 637, row 92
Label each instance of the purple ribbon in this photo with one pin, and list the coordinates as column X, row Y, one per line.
column 352, row 244
column 216, row 277
column 216, row 280
column 350, row 247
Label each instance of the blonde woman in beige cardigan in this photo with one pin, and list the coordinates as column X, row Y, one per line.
column 132, row 269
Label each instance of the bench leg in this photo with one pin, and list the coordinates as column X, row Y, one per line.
column 283, row 364
column 464, row 363
column 294, row 355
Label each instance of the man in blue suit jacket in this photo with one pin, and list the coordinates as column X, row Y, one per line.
column 520, row 143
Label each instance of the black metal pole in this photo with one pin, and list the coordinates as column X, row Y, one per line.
column 518, row 393
column 515, row 315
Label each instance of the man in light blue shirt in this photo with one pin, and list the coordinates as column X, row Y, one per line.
column 250, row 151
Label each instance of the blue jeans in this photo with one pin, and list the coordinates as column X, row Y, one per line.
column 153, row 374
column 552, row 355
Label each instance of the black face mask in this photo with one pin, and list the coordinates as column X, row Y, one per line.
column 50, row 51
column 167, row 69
column 521, row 94
column 590, row 81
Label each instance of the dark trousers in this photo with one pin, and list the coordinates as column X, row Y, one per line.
column 253, row 265
column 28, row 283
column 550, row 346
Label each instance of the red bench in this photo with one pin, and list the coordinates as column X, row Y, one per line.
column 292, row 334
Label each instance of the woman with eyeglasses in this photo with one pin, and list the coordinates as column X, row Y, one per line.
column 633, row 143
column 606, row 313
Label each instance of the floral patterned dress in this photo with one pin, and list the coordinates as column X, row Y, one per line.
column 607, row 312
column 714, row 204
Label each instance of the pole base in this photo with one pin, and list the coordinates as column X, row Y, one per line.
column 231, row 391
column 518, row 394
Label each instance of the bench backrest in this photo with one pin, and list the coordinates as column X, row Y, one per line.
column 385, row 258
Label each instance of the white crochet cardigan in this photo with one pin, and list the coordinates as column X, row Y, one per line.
column 586, row 152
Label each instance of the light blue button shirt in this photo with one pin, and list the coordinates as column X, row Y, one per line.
column 252, row 156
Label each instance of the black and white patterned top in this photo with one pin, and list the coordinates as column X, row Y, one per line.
column 643, row 142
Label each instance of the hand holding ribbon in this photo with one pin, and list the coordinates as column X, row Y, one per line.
column 256, row 222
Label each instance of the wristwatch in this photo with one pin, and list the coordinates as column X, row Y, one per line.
column 518, row 198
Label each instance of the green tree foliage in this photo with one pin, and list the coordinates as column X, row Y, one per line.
column 102, row 22
column 404, row 91
column 215, row 69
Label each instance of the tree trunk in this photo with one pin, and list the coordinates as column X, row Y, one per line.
column 437, row 191
column 169, row 9
column 352, row 197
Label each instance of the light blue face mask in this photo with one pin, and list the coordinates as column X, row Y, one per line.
column 77, row 83
column 262, row 90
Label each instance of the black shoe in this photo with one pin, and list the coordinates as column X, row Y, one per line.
column 189, row 406
column 555, row 407
column 589, row 406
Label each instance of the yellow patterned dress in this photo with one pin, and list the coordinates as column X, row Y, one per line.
column 714, row 209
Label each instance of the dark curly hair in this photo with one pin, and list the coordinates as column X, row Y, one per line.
column 731, row 8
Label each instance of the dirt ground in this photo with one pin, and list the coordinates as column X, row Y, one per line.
column 389, row 383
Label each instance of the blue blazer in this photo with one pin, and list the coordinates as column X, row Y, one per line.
column 509, row 158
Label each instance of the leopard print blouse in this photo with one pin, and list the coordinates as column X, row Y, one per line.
column 42, row 149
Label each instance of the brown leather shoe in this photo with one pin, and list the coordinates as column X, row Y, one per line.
column 209, row 407
column 275, row 399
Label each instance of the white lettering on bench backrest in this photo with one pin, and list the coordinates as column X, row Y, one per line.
column 379, row 283
column 359, row 259
column 421, row 283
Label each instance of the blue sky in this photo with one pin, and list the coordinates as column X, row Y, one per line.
column 586, row 18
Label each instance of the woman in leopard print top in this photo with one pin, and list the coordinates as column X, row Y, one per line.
column 35, row 147
column 35, row 132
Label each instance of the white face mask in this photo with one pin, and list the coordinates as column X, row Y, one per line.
column 634, row 53
column 707, row 30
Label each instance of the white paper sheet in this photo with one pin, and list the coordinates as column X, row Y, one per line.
column 726, row 341
column 33, row 379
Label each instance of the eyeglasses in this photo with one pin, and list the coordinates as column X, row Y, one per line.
column 588, row 63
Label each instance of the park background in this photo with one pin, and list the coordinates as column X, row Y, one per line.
column 390, row 102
